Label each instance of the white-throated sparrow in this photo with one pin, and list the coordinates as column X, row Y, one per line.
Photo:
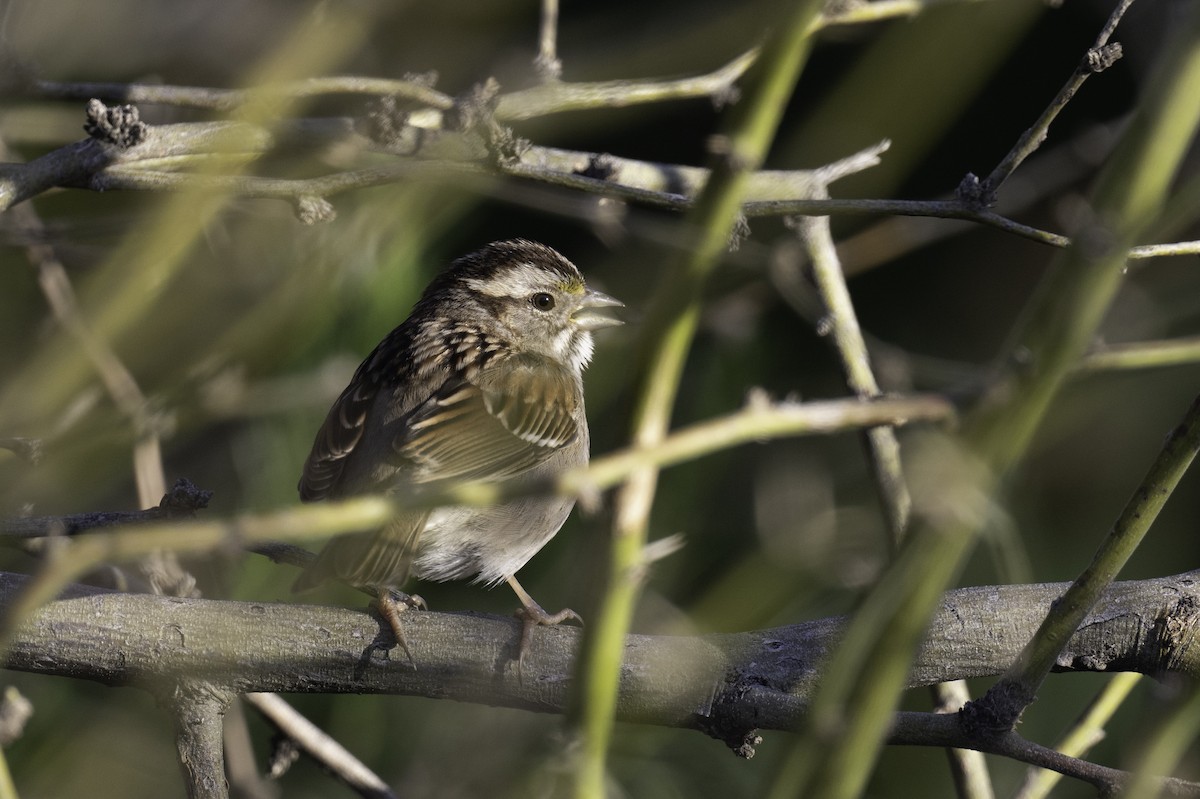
column 483, row 381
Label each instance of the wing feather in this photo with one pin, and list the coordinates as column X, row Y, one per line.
column 507, row 420
column 495, row 423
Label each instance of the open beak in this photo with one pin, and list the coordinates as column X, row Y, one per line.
column 596, row 311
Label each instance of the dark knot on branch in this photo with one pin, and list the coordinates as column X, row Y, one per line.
column 184, row 499
column 475, row 111
column 119, row 124
column 1101, row 58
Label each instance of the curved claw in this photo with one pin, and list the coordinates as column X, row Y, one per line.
column 391, row 603
column 532, row 614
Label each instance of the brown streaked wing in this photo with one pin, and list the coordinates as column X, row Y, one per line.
column 378, row 559
column 337, row 438
column 512, row 417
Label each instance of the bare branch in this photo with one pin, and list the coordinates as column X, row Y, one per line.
column 725, row 685
column 552, row 98
column 181, row 502
column 229, row 99
column 1098, row 58
column 319, row 746
column 198, row 708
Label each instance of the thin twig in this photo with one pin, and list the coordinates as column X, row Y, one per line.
column 1098, row 58
column 1087, row 731
column 547, row 64
column 740, row 150
column 968, row 767
column 883, row 450
column 926, row 729
column 1142, row 355
column 553, row 98
column 162, row 569
column 1167, row 744
column 539, row 101
column 332, row 756
column 229, row 99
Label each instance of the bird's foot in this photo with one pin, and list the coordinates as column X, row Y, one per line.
column 533, row 615
column 390, row 604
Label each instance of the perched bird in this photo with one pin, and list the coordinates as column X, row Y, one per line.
column 483, row 381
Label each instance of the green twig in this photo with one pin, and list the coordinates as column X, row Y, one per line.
column 1167, row 744
column 1142, row 355
column 1084, row 734
column 553, row 98
column 865, row 675
column 674, row 320
column 85, row 553
column 1006, row 700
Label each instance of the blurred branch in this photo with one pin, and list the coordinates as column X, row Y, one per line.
column 161, row 569
column 883, row 450
column 760, row 420
column 550, row 98
column 724, row 685
column 28, row 449
column 737, row 151
column 1141, row 355
column 181, row 502
column 1055, row 331
column 1083, row 735
column 547, row 63
column 999, row 710
column 230, row 99
column 318, row 745
column 122, row 388
column 15, row 712
column 1166, row 745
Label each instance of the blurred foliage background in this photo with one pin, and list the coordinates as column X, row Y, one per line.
column 243, row 342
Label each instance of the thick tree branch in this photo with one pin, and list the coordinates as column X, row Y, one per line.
column 726, row 685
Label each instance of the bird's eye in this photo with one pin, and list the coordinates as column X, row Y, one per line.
column 542, row 301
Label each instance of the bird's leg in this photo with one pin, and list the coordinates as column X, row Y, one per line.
column 391, row 604
column 532, row 614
